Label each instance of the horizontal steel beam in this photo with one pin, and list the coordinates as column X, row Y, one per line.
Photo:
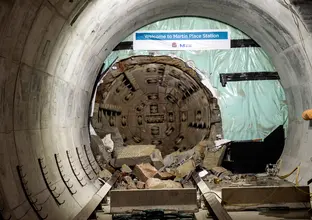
column 123, row 201
column 247, row 76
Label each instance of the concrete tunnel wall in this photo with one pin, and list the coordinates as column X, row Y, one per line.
column 49, row 58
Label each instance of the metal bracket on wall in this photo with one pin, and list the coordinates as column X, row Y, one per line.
column 94, row 162
column 74, row 170
column 33, row 203
column 248, row 76
column 66, row 182
column 48, row 184
column 83, row 166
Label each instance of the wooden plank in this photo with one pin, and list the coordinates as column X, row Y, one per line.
column 150, row 199
column 214, row 206
column 267, row 195
column 97, row 198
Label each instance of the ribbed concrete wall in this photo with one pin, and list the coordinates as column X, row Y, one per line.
column 49, row 58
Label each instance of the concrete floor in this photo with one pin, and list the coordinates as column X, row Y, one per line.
column 264, row 214
column 252, row 215
column 245, row 180
column 255, row 215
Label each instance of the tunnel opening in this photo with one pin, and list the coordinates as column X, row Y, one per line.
column 246, row 155
column 49, row 64
column 146, row 98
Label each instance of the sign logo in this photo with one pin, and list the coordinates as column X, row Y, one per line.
column 185, row 45
column 174, row 44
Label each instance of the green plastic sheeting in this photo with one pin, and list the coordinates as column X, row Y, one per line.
column 250, row 109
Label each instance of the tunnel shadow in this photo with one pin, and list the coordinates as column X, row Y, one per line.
column 252, row 157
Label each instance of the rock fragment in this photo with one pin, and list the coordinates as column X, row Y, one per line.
column 213, row 159
column 125, row 169
column 185, row 169
column 154, row 183
column 134, row 154
column 130, row 182
column 221, row 172
column 100, row 151
column 157, row 159
column 164, row 176
column 105, row 174
column 140, row 185
column 144, row 171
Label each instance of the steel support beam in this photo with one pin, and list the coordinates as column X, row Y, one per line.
column 97, row 198
column 214, row 206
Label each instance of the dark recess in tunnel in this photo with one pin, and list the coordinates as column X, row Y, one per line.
column 252, row 157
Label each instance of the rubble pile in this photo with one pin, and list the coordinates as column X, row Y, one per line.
column 220, row 177
column 143, row 167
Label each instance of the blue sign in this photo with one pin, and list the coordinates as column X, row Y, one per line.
column 222, row 35
column 182, row 40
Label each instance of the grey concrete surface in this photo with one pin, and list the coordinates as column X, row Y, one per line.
column 255, row 215
column 49, row 58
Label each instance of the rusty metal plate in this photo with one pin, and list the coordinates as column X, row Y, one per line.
column 159, row 101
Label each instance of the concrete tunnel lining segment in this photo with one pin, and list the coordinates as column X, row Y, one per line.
column 49, row 60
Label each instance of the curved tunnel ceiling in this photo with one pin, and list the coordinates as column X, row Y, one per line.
column 50, row 54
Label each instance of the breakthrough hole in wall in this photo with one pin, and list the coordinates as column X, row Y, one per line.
column 156, row 100
column 250, row 109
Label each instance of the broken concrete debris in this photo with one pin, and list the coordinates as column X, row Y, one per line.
column 219, row 143
column 125, row 169
column 178, row 158
column 200, row 149
column 217, row 180
column 122, row 185
column 140, row 185
column 102, row 128
column 221, row 172
column 185, row 169
column 130, row 182
column 272, row 169
column 143, row 166
column 105, row 174
column 108, row 143
column 100, row 151
column 109, row 167
column 144, row 171
column 154, row 183
column 134, row 154
column 164, row 176
column 213, row 158
column 203, row 173
column 157, row 159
